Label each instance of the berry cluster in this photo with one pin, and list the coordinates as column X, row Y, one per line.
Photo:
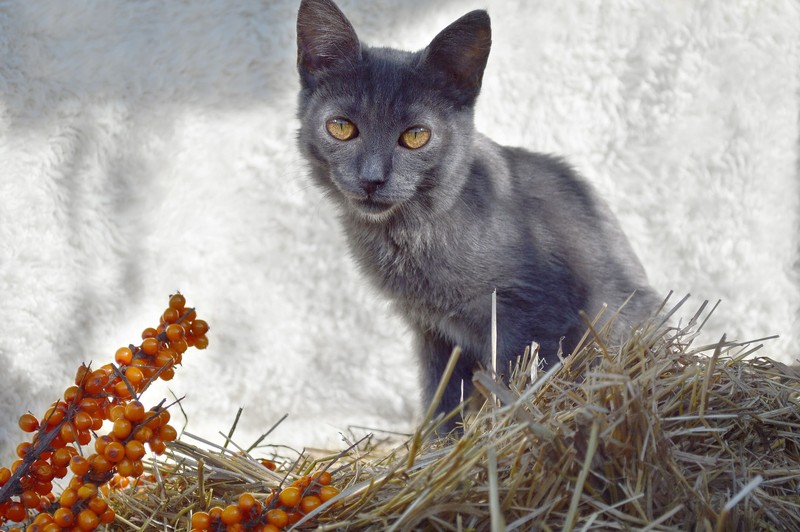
column 276, row 511
column 109, row 393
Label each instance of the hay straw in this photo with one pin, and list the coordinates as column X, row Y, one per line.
column 654, row 435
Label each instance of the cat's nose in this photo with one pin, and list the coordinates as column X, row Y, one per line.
column 373, row 174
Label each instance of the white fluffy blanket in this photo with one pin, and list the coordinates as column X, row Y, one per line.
column 148, row 147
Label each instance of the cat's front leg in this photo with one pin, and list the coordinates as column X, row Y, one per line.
column 434, row 352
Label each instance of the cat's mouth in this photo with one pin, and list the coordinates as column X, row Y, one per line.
column 373, row 208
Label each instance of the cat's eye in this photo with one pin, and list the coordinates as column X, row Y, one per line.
column 341, row 128
column 415, row 137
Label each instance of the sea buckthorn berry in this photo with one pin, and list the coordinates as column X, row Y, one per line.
column 73, row 394
column 143, row 433
column 328, row 492
column 23, row 448
column 82, row 420
column 68, row 497
column 178, row 302
column 125, row 467
column 97, row 505
column 290, row 496
column 150, row 332
column 294, row 517
column 28, row 423
column 5, row 475
column 87, row 491
column 101, row 442
column 174, row 332
column 79, row 465
column 150, row 346
column 164, row 357
column 269, row 464
column 114, row 452
column 29, row 499
column 122, row 391
column 322, row 478
column 123, row 356
column 122, row 428
column 277, row 517
column 166, row 374
column 108, row 516
column 43, row 487
column 134, row 375
column 246, row 502
column 157, row 445
column 81, row 374
column 201, row 342
column 42, row 470
column 53, row 416
column 199, row 328
column 309, row 503
column 64, row 517
column 168, row 433
column 87, row 520
column 231, row 514
column 16, row 512
column 215, row 512
column 179, row 346
column 61, row 457
column 116, row 412
column 235, row 527
column 201, row 521
column 83, row 437
column 67, row 432
column 134, row 450
column 270, row 528
column 171, row 315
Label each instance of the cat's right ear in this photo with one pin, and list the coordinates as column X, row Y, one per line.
column 325, row 39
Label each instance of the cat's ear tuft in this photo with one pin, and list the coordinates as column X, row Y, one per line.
column 459, row 54
column 325, row 39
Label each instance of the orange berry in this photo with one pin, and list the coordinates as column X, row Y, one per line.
column 174, row 332
column 309, row 503
column 269, row 464
column 68, row 432
column 271, row 528
column 157, row 445
column 5, row 475
column 116, row 412
column 150, row 332
column 215, row 512
column 114, row 452
column 165, row 357
column 108, row 516
column 277, row 517
column 121, row 428
column 235, row 527
column 123, row 356
column 134, row 450
column 82, row 420
column 122, row 391
column 179, row 346
column 87, row 491
column 231, row 514
column 246, row 502
column 79, row 465
column 68, row 497
column 199, row 328
column 143, row 433
column 81, row 374
column 328, row 492
column 201, row 342
column 150, row 346
column 201, row 521
column 53, row 416
column 30, row 499
column 42, row 470
column 88, row 520
column 64, row 517
column 28, row 422
column 98, row 505
column 125, row 467
column 73, row 394
column 61, row 457
column 168, row 433
column 134, row 375
column 171, row 315
column 294, row 517
column 178, row 302
column 23, row 448
column 290, row 497
column 166, row 374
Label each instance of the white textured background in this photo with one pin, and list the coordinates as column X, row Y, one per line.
column 149, row 146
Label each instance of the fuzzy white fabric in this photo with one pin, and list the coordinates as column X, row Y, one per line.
column 148, row 147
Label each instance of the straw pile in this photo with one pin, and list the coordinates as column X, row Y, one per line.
column 656, row 435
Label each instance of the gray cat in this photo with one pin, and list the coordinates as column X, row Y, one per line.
column 438, row 216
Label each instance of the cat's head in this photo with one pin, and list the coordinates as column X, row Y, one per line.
column 387, row 130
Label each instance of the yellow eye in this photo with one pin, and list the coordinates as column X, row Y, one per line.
column 341, row 128
column 415, row 137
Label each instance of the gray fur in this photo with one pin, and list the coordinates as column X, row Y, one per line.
column 439, row 228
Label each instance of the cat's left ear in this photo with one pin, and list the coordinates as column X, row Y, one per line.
column 325, row 39
column 458, row 55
